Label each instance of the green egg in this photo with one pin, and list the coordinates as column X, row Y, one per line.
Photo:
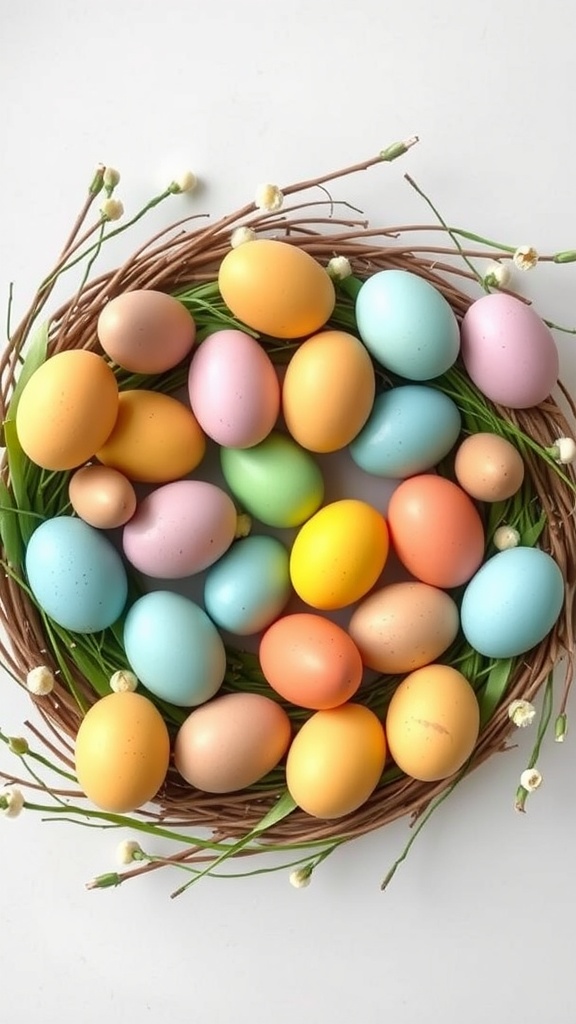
column 276, row 481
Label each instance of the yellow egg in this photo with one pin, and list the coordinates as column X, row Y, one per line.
column 338, row 554
column 156, row 439
column 328, row 391
column 403, row 626
column 276, row 288
column 67, row 410
column 489, row 467
column 122, row 752
column 102, row 496
column 432, row 723
column 336, row 760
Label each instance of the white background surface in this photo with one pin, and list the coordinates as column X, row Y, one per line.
column 473, row 927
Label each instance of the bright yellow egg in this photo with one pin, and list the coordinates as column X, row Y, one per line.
column 338, row 554
column 276, row 288
column 156, row 439
column 336, row 760
column 328, row 391
column 432, row 723
column 122, row 752
column 67, row 410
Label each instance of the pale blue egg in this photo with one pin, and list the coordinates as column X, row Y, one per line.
column 410, row 429
column 249, row 586
column 512, row 602
column 407, row 325
column 174, row 648
column 76, row 575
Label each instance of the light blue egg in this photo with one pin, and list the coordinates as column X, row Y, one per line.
column 512, row 602
column 408, row 431
column 76, row 575
column 174, row 648
column 407, row 325
column 249, row 586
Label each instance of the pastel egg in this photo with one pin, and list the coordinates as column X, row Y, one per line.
column 328, row 391
column 410, row 429
column 67, row 410
column 508, row 351
column 234, row 391
column 310, row 661
column 146, row 331
column 102, row 497
column 338, row 554
column 249, row 586
column 155, row 438
column 512, row 602
column 432, row 723
column 276, row 288
column 402, row 626
column 489, row 467
column 407, row 324
column 174, row 648
column 76, row 575
column 276, row 480
column 436, row 530
column 336, row 760
column 231, row 742
column 122, row 752
column 180, row 529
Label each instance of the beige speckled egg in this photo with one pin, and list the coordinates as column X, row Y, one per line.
column 489, row 467
column 146, row 331
column 102, row 496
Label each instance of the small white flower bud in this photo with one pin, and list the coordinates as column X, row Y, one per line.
column 111, row 177
column 339, row 268
column 497, row 275
column 269, row 198
column 521, row 712
column 128, row 851
column 530, row 779
column 111, row 209
column 123, row 681
column 301, row 878
column 40, row 681
column 563, row 450
column 11, row 801
column 185, row 182
column 241, row 235
column 525, row 257
column 506, row 537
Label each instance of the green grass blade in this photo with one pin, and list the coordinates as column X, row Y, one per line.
column 495, row 688
column 10, row 528
column 36, row 353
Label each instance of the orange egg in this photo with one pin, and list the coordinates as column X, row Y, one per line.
column 146, row 331
column 335, row 762
column 67, row 410
column 231, row 742
column 403, row 626
column 156, row 439
column 122, row 752
column 436, row 530
column 328, row 391
column 310, row 661
column 102, row 497
column 276, row 288
column 489, row 467
column 432, row 723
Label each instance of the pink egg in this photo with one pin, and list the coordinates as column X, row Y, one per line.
column 508, row 351
column 234, row 391
column 180, row 529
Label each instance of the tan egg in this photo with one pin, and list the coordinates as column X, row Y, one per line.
column 489, row 467
column 403, row 626
column 102, row 497
column 146, row 331
column 432, row 723
column 231, row 742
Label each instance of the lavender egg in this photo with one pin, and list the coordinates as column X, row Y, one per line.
column 509, row 352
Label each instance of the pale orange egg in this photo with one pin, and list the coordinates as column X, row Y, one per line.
column 102, row 496
column 489, row 467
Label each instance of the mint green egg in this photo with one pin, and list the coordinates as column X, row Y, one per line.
column 276, row 481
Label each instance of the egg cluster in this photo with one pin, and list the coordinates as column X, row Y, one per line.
column 311, row 559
